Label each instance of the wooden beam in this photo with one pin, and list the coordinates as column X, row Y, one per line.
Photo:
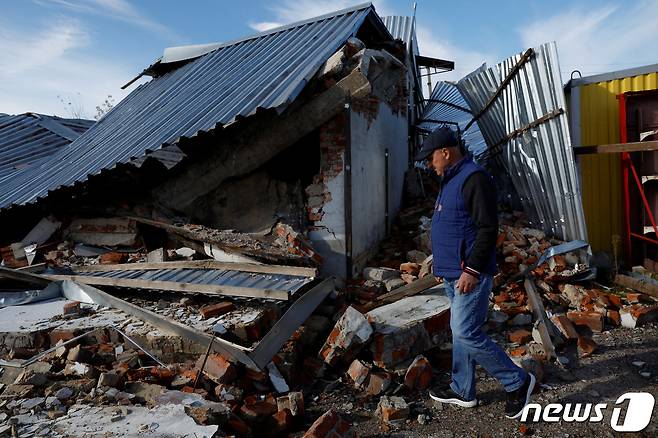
column 24, row 276
column 540, row 314
column 209, row 289
column 639, row 284
column 615, row 148
column 204, row 264
column 411, row 289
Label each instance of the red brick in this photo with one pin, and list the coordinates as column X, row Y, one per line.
column 358, row 372
column 293, row 402
column 593, row 320
column 330, row 425
column 214, row 310
column 255, row 410
column 410, row 268
column 218, row 369
column 378, row 383
column 71, row 308
column 112, row 258
column 391, row 409
column 586, row 346
column 519, row 351
column 419, row 374
column 565, row 326
column 614, row 318
column 520, row 336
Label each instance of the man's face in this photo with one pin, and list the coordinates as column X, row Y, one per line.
column 439, row 160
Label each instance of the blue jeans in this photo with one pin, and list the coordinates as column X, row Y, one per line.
column 470, row 345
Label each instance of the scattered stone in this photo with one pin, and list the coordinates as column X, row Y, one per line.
column 109, row 379
column 565, row 326
column 71, row 308
column 380, row 274
column 64, row 393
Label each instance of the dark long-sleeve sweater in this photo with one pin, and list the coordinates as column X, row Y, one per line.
column 479, row 194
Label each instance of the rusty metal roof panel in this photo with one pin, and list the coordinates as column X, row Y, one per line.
column 264, row 71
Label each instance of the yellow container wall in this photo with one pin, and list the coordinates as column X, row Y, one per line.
column 601, row 174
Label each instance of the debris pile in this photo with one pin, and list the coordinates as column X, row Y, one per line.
column 384, row 338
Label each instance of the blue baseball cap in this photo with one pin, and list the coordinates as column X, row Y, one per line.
column 442, row 137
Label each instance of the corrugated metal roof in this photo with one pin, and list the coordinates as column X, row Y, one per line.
column 30, row 137
column 446, row 104
column 402, row 28
column 267, row 70
column 217, row 277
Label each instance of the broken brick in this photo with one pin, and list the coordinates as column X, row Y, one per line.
column 113, row 258
column 378, row 383
column 614, row 317
column 71, row 308
column 520, row 336
column 565, row 326
column 408, row 327
column 392, row 409
column 330, row 424
column 358, row 372
column 218, row 369
column 214, row 310
column 293, row 401
column 586, row 346
column 637, row 315
column 347, row 338
column 410, row 268
column 593, row 320
column 419, row 374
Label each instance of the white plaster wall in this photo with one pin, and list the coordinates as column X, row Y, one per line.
column 369, row 141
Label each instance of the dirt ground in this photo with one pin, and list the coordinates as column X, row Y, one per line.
column 600, row 378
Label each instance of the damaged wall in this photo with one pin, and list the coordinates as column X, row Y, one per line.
column 326, row 198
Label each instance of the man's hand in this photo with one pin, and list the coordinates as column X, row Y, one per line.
column 466, row 283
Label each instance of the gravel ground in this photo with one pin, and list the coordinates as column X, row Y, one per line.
column 601, row 378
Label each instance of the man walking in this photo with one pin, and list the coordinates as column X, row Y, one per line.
column 464, row 231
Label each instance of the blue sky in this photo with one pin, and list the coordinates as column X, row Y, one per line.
column 83, row 50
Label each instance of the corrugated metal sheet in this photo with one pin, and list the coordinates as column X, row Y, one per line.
column 540, row 162
column 28, row 138
column 217, row 277
column 402, row 28
column 446, row 104
column 267, row 70
column 596, row 119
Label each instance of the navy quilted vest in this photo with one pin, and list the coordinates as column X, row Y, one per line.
column 453, row 230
